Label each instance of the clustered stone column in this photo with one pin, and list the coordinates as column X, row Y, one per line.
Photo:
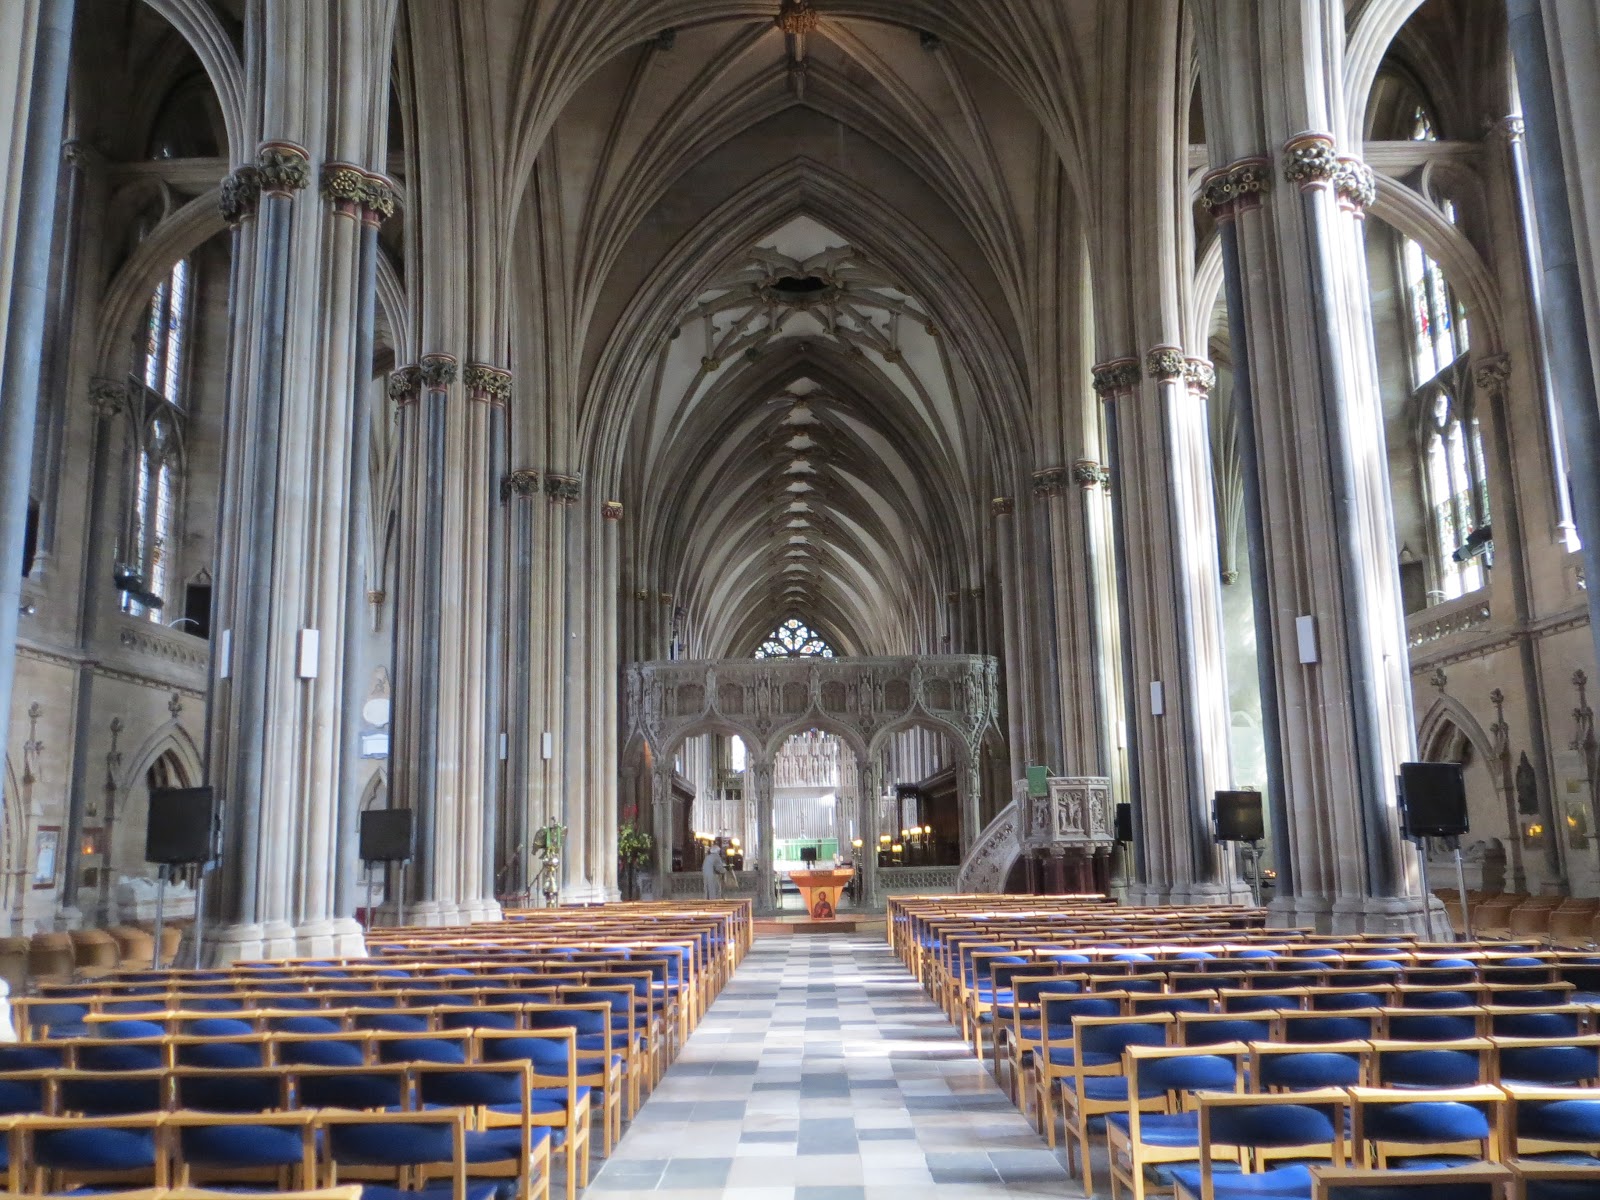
column 1321, row 534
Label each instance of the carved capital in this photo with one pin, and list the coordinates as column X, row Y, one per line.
column 379, row 199
column 563, row 489
column 664, row 597
column 1491, row 375
column 239, row 194
column 1508, row 129
column 1309, row 161
column 1200, row 375
column 1002, row 506
column 284, row 168
column 1164, row 364
column 1248, row 181
column 523, row 482
column 1355, row 185
column 405, row 385
column 107, row 397
column 611, row 510
column 344, row 187
column 1088, row 474
column 1117, row 377
column 437, row 371
column 487, row 384
column 1216, row 194
column 1051, row 481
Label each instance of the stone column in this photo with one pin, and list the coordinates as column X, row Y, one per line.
column 1073, row 632
column 38, row 118
column 519, row 491
column 1018, row 717
column 1272, row 73
column 109, row 399
column 969, row 794
column 1566, row 345
column 609, row 688
column 356, row 195
column 869, row 778
column 758, row 771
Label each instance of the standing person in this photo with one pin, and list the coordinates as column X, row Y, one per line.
column 713, row 869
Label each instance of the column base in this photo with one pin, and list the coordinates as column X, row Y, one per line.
column 335, row 937
column 481, row 912
column 434, row 914
column 224, row 944
column 1230, row 892
column 583, row 892
column 1362, row 914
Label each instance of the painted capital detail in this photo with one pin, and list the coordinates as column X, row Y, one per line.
column 1116, row 377
column 523, row 482
column 1200, row 375
column 563, row 489
column 437, row 371
column 1088, row 474
column 405, row 385
column 1164, row 364
column 1309, row 161
column 1002, row 506
column 611, row 510
column 239, row 194
column 797, row 17
column 1491, row 375
column 487, row 384
column 284, row 168
column 1355, row 185
column 1051, row 481
column 356, row 193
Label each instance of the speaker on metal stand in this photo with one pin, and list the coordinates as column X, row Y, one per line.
column 1433, row 803
column 386, row 838
column 1236, row 817
column 181, row 831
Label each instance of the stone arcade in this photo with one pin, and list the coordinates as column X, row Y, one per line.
column 535, row 413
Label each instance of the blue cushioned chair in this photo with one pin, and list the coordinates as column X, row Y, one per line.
column 117, row 1093
column 439, row 1048
column 343, row 1050
column 1554, row 1062
column 1298, row 1067
column 366, row 1088
column 502, row 1136
column 1554, row 1123
column 558, row 1099
column 276, row 1150
column 1142, row 1143
column 1426, row 1129
column 1209, row 1029
column 59, row 1154
column 1264, row 1130
column 228, row 1090
column 1397, row 1064
column 395, row 1154
column 1052, row 1014
column 1092, row 1084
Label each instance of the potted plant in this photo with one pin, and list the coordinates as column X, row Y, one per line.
column 634, row 848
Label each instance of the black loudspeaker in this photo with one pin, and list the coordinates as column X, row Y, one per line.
column 1124, row 822
column 180, row 826
column 1433, row 799
column 1238, row 817
column 808, row 854
column 386, row 835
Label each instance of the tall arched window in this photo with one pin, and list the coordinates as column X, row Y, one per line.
column 794, row 639
column 147, row 561
column 1449, row 439
column 1454, row 477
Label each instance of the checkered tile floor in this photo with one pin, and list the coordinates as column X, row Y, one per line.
column 822, row 1072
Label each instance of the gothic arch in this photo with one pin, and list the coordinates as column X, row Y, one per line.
column 196, row 223
column 1404, row 210
column 1366, row 44
column 819, row 721
column 201, row 26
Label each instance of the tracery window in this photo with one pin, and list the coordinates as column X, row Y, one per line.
column 1455, row 478
column 149, row 548
column 794, row 639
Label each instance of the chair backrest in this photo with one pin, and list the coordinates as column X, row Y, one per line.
column 1479, row 1181
column 366, row 1144
column 1432, row 1064
column 1207, row 1029
column 1302, row 1125
column 1554, row 1062
column 1299, row 1067
column 369, row 1087
column 1412, row 1119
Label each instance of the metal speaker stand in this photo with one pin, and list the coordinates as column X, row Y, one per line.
column 161, row 904
column 1461, row 886
column 1253, row 849
column 1427, row 888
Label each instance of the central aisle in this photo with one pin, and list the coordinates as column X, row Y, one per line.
column 823, row 1072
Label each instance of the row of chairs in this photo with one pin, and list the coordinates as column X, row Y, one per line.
column 440, row 1153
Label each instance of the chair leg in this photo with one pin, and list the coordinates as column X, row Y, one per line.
column 1083, row 1152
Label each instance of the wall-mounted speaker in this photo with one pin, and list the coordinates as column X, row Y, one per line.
column 1237, row 817
column 180, row 828
column 1124, row 822
column 1433, row 799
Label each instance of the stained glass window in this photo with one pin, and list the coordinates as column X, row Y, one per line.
column 165, row 327
column 794, row 639
column 1458, row 495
